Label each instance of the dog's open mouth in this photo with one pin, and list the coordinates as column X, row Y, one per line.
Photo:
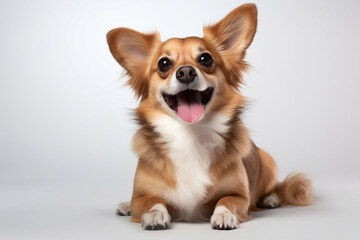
column 189, row 104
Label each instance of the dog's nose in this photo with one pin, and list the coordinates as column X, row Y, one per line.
column 186, row 74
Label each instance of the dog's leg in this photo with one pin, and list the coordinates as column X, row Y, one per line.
column 123, row 209
column 267, row 182
column 229, row 212
column 151, row 212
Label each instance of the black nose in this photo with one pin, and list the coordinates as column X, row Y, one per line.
column 186, row 74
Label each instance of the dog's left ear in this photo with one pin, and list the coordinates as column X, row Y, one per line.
column 231, row 37
column 234, row 33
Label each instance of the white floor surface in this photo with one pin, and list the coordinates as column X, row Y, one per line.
column 45, row 210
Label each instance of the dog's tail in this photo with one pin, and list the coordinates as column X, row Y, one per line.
column 294, row 190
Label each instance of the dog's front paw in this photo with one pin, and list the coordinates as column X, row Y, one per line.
column 157, row 218
column 123, row 209
column 223, row 219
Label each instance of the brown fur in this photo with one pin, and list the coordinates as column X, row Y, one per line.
column 294, row 190
column 241, row 173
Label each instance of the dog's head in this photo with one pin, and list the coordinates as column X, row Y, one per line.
column 188, row 77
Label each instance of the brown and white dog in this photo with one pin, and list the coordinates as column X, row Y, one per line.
column 196, row 160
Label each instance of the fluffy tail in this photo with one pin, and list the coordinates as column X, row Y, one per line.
column 294, row 190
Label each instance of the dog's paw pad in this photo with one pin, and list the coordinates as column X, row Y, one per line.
column 157, row 218
column 156, row 227
column 270, row 201
column 123, row 209
column 223, row 219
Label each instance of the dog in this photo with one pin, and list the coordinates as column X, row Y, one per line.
column 196, row 161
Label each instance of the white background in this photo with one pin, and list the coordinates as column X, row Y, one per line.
column 66, row 128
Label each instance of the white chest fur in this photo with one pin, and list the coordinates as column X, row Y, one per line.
column 190, row 150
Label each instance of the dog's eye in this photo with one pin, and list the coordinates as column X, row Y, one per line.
column 205, row 59
column 164, row 64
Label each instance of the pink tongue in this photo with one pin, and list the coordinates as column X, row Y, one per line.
column 189, row 111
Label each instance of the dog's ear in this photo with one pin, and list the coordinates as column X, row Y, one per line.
column 132, row 50
column 231, row 37
column 235, row 32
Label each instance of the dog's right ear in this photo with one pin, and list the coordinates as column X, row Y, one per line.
column 132, row 50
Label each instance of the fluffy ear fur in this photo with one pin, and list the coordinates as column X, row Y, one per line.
column 232, row 36
column 132, row 50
